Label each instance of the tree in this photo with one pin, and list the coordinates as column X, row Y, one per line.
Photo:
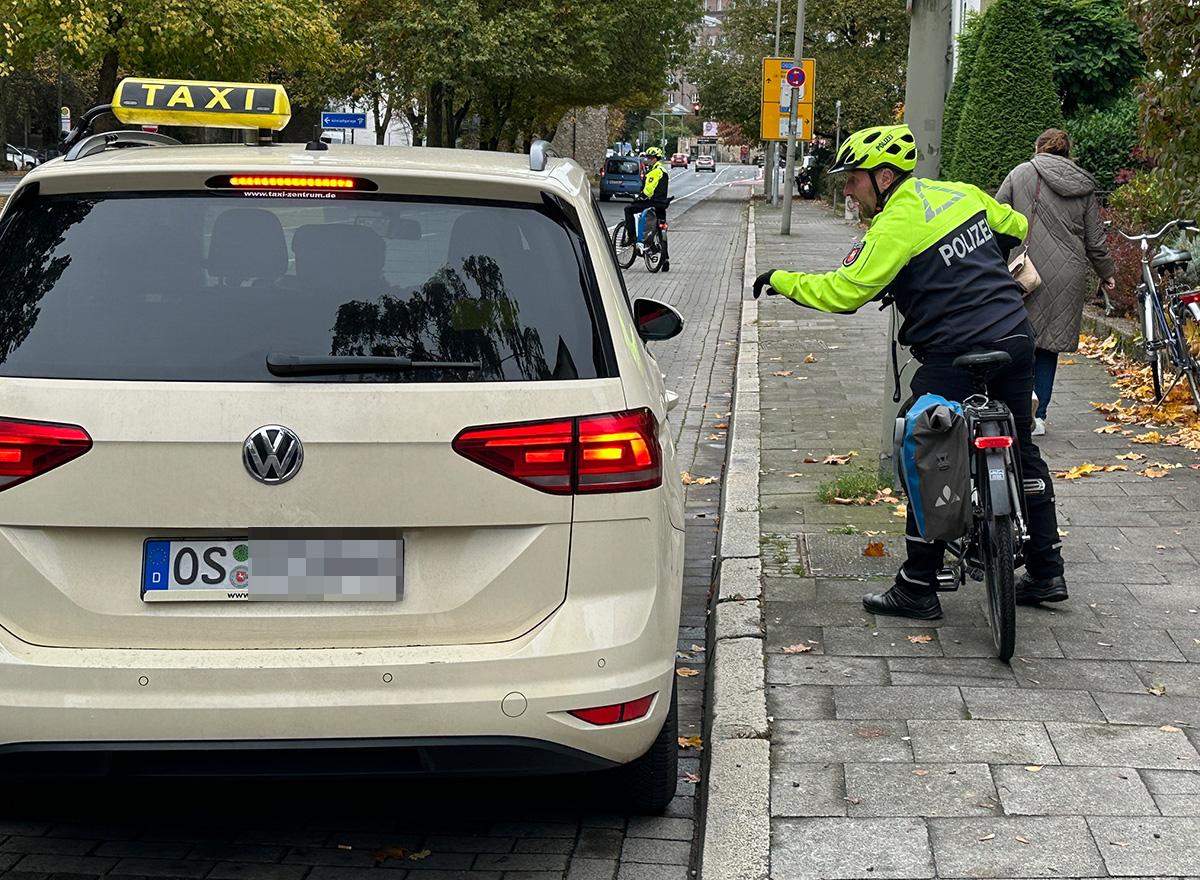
column 968, row 46
column 1094, row 48
column 1170, row 34
column 1011, row 98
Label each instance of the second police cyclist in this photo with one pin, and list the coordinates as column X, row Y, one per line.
column 653, row 194
column 939, row 249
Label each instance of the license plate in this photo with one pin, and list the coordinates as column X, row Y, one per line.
column 276, row 565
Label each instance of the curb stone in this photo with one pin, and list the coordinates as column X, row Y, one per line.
column 737, row 832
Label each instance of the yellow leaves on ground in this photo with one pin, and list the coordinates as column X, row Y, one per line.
column 920, row 639
column 1066, row 362
column 901, row 510
column 1169, row 728
column 1159, row 690
column 874, row 548
column 686, row 671
column 1153, row 472
column 783, row 373
column 691, row 742
column 1149, row 437
column 797, row 649
column 809, row 359
column 1132, row 456
column 882, row 496
column 1108, row 429
column 1034, row 768
column 689, row 480
column 1083, row 470
column 838, row 459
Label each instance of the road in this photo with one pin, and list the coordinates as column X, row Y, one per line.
column 472, row 829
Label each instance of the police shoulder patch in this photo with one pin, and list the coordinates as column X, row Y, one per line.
column 853, row 255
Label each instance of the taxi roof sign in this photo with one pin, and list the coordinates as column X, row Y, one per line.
column 196, row 103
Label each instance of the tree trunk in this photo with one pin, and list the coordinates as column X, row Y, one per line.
column 435, row 128
column 106, row 87
column 416, row 122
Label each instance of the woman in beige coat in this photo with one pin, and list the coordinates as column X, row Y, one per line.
column 1065, row 236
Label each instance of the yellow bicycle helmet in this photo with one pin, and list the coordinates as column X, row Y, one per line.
column 655, row 152
column 884, row 146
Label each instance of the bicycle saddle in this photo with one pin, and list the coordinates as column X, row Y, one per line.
column 982, row 359
column 1166, row 256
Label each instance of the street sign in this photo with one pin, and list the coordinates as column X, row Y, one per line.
column 64, row 119
column 776, row 98
column 343, row 120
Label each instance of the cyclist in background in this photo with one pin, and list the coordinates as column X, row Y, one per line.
column 938, row 249
column 653, row 194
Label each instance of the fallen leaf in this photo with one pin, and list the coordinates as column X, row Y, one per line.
column 1153, row 473
column 722, row 425
column 1117, row 843
column 795, row 475
column 874, row 548
column 1034, row 768
column 686, row 671
column 1022, row 839
column 423, row 854
column 869, row 731
column 838, row 459
column 901, row 510
column 783, row 373
column 1132, row 456
column 1149, row 437
column 344, row 846
column 809, row 359
column 698, row 648
column 690, row 742
column 988, row 837
column 1062, row 533
column 1066, row 362
column 1159, row 690
column 921, row 639
column 810, row 461
column 1104, row 644
column 797, row 649
column 920, row 773
column 692, row 778
column 713, row 437
column 389, row 852
column 1169, row 729
column 1108, row 429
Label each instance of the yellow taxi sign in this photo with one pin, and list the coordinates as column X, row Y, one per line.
column 211, row 104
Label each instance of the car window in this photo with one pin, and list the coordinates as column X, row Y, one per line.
column 202, row 286
column 623, row 166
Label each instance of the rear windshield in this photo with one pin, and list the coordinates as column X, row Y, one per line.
column 200, row 286
column 623, row 166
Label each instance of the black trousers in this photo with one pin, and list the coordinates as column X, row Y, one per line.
column 637, row 206
column 1012, row 383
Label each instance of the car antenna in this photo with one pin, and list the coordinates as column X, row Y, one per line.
column 316, row 143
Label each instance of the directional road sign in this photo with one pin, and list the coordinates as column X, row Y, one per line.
column 776, row 98
column 343, row 120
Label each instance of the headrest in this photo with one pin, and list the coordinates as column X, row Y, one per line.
column 247, row 243
column 338, row 255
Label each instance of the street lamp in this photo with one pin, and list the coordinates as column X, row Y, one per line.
column 661, row 125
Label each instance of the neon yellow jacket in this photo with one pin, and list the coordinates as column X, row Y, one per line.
column 657, row 181
column 939, row 249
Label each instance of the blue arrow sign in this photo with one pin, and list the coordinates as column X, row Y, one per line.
column 343, row 120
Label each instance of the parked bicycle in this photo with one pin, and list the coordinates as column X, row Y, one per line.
column 1169, row 314
column 651, row 237
column 994, row 543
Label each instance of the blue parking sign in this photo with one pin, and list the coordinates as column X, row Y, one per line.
column 343, row 120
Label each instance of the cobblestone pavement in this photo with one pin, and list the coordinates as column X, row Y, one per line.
column 517, row 829
column 901, row 748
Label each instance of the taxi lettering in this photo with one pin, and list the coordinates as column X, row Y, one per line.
column 966, row 241
column 190, row 102
column 169, row 96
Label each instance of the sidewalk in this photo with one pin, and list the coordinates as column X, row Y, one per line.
column 897, row 748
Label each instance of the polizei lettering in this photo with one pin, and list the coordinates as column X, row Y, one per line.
column 966, row 241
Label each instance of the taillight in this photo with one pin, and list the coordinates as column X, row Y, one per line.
column 618, row 712
column 617, row 452
column 1190, row 297
column 29, row 449
column 993, row 442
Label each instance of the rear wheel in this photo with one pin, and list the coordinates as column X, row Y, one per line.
column 1162, row 370
column 653, row 241
column 647, row 784
column 996, row 553
column 626, row 253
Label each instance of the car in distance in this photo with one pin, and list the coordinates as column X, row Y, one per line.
column 679, row 160
column 706, row 163
column 622, row 176
column 20, row 158
column 314, row 459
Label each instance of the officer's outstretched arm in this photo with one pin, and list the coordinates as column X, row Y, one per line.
column 1008, row 223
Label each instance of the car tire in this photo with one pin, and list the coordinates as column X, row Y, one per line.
column 604, row 197
column 647, row 784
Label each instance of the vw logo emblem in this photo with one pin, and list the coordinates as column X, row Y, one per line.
column 272, row 454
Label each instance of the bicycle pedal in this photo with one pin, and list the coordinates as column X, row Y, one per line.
column 975, row 573
column 948, row 580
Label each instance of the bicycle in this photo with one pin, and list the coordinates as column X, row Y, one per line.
column 653, row 241
column 994, row 543
column 1169, row 313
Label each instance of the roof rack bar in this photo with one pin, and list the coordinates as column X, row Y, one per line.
column 539, row 153
column 98, row 143
column 85, row 124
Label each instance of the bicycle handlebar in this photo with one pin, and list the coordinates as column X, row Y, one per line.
column 1181, row 224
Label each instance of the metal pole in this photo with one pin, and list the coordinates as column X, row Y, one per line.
column 837, row 143
column 785, row 227
column 772, row 177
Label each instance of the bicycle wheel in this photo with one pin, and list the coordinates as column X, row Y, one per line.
column 996, row 551
column 626, row 253
column 1162, row 370
column 653, row 242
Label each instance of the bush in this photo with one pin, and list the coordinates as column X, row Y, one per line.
column 1135, row 207
column 1103, row 140
column 968, row 45
column 1011, row 98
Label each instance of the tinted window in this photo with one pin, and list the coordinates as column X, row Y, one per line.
column 623, row 166
column 202, row 287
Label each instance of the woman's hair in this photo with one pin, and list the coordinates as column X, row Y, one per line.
column 1053, row 140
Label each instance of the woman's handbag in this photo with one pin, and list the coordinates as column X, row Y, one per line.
column 1021, row 264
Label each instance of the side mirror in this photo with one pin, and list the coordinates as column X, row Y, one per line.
column 655, row 320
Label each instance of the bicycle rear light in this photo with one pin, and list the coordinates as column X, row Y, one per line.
column 993, row 442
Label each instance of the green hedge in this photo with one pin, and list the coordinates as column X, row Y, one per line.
column 1102, row 141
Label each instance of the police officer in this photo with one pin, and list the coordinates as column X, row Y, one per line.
column 653, row 194
column 939, row 250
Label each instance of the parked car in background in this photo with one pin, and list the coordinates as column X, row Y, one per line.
column 760, row 160
column 23, row 159
column 679, row 160
column 706, row 163
column 621, row 176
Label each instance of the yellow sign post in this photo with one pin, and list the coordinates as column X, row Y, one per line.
column 777, row 96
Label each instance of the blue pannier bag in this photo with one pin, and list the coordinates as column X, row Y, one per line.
column 931, row 459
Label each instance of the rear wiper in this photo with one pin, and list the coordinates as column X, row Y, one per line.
column 281, row 364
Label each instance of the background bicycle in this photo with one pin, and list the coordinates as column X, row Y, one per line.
column 651, row 235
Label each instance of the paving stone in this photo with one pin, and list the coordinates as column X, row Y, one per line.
column 1112, row 643
column 850, row 849
column 48, row 845
column 659, row 828
column 987, row 848
column 520, row 862
column 1120, row 745
column 1076, row 675
column 1155, row 845
column 804, row 703
column 1057, row 791
column 919, row 790
column 1006, row 704
column 898, row 702
column 1148, row 709
column 46, row 863
column 256, row 871
column 807, row 789
column 879, row 642
column 599, row 843
column 635, row 871
column 976, row 641
column 661, row 852
column 943, row 671
column 216, row 852
column 1180, row 679
column 840, row 741
column 987, row 742
column 805, row 669
column 592, row 869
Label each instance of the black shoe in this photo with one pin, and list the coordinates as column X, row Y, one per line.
column 1031, row 590
column 898, row 602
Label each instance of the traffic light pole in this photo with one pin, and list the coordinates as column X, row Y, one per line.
column 785, row 226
